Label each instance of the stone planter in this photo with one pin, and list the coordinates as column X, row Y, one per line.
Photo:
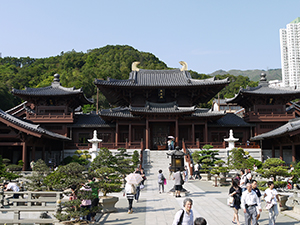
column 107, row 203
column 205, row 176
column 283, row 199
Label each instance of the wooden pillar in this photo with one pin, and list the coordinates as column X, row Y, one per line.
column 43, row 153
column 24, row 156
column 33, row 153
column 129, row 134
column 281, row 152
column 293, row 153
column 116, row 134
column 176, row 132
column 193, row 133
column 147, row 133
column 273, row 151
column 205, row 132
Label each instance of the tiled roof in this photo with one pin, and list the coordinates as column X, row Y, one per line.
column 119, row 112
column 90, row 120
column 170, row 107
column 55, row 89
column 202, row 112
column 262, row 90
column 29, row 126
column 230, row 119
column 160, row 78
column 292, row 125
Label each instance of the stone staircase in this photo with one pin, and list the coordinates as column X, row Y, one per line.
column 158, row 160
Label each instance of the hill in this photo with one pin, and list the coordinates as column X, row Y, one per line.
column 254, row 75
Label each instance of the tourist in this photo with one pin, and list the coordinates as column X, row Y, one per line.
column 32, row 164
column 170, row 172
column 185, row 215
column 243, row 180
column 143, row 174
column 95, row 200
column 138, row 189
column 257, row 191
column 130, row 190
column 186, row 174
column 12, row 187
column 249, row 202
column 161, row 180
column 172, row 144
column 200, row 221
column 86, row 203
column 249, row 175
column 169, row 144
column 271, row 198
column 196, row 171
column 178, row 182
column 236, row 192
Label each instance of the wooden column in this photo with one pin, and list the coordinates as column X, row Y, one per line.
column 193, row 133
column 176, row 132
column 116, row 134
column 147, row 133
column 205, row 132
column 129, row 135
column 24, row 156
column 293, row 153
column 273, row 151
column 281, row 152
column 33, row 153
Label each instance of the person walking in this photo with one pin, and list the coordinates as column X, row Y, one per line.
column 249, row 202
column 86, row 204
column 161, row 180
column 178, row 182
column 271, row 198
column 257, row 191
column 236, row 192
column 169, row 144
column 12, row 187
column 186, row 174
column 138, row 189
column 170, row 171
column 185, row 215
column 130, row 190
column 243, row 180
column 196, row 171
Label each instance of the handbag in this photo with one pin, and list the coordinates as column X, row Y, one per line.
column 133, row 189
column 230, row 201
column 142, row 186
column 165, row 181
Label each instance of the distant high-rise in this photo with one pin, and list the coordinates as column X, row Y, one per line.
column 290, row 54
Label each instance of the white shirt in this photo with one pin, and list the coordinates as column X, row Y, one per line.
column 13, row 187
column 243, row 181
column 250, row 198
column 270, row 194
column 187, row 219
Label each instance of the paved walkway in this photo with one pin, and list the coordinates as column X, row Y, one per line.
column 209, row 202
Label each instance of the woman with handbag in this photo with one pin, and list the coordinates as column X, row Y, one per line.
column 161, row 181
column 235, row 192
column 130, row 190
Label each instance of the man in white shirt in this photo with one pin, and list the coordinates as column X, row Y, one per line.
column 271, row 197
column 249, row 202
column 12, row 187
column 243, row 180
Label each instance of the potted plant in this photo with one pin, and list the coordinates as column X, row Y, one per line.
column 110, row 171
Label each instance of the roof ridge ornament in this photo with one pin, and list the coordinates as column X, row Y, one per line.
column 134, row 66
column 184, row 66
column 56, row 80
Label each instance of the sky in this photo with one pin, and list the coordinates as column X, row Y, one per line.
column 209, row 35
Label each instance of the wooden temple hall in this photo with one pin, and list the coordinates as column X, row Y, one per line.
column 149, row 107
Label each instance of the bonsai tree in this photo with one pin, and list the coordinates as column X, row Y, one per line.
column 296, row 173
column 273, row 167
column 136, row 158
column 5, row 173
column 80, row 157
column 36, row 180
column 110, row 169
column 206, row 157
column 238, row 159
column 220, row 167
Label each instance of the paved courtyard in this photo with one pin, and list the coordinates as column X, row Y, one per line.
column 209, row 202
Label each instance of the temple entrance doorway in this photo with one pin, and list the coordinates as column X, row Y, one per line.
column 159, row 133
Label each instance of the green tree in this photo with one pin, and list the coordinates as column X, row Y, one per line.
column 206, row 157
column 273, row 167
column 238, row 159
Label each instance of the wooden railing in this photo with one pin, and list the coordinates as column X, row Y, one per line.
column 67, row 118
column 111, row 145
column 256, row 116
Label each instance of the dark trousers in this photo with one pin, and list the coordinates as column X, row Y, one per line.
column 130, row 201
column 95, row 203
column 137, row 195
column 87, row 207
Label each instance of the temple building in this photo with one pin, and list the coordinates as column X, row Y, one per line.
column 150, row 107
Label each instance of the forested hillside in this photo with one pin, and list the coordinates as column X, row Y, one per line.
column 80, row 69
